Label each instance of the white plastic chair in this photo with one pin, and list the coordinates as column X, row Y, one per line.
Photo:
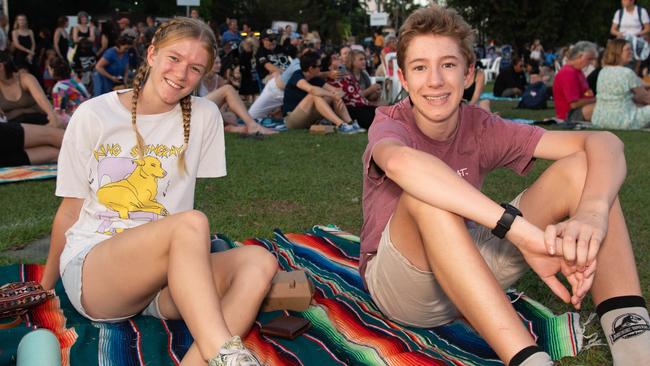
column 492, row 72
column 395, row 87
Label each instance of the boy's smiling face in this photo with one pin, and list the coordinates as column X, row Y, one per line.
column 435, row 75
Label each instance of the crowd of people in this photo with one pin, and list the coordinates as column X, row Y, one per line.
column 263, row 83
column 606, row 87
column 157, row 92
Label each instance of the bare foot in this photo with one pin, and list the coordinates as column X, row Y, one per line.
column 261, row 129
column 235, row 128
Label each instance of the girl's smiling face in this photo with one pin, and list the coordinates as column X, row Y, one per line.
column 177, row 69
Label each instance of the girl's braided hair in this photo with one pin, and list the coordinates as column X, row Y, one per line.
column 167, row 33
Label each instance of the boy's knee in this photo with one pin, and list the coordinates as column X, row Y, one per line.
column 574, row 169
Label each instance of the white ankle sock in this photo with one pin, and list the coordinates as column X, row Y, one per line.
column 531, row 356
column 626, row 324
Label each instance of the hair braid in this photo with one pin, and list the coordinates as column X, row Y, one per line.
column 186, row 108
column 138, row 81
column 159, row 33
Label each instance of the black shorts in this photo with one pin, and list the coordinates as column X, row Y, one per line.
column 32, row 118
column 12, row 145
column 364, row 115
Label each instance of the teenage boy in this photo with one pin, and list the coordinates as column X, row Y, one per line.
column 434, row 246
column 307, row 99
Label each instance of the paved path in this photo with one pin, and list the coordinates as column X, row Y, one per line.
column 35, row 251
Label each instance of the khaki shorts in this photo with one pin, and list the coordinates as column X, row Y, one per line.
column 413, row 297
column 298, row 118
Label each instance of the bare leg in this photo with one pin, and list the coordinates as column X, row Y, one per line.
column 228, row 95
column 588, row 111
column 239, row 275
column 342, row 110
column 616, row 273
column 438, row 241
column 175, row 252
column 36, row 135
column 42, row 154
column 323, row 107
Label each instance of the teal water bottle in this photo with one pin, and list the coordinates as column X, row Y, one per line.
column 39, row 347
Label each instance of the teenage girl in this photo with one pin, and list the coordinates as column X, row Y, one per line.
column 125, row 238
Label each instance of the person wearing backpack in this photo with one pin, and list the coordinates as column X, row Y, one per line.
column 630, row 20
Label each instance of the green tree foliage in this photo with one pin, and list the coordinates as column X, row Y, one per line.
column 398, row 10
column 555, row 22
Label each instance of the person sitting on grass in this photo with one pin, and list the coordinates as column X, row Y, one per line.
column 356, row 65
column 359, row 108
column 222, row 95
column 128, row 241
column 67, row 93
column 427, row 224
column 511, row 82
column 472, row 94
column 307, row 99
column 21, row 97
column 573, row 99
column 27, row 144
column 622, row 101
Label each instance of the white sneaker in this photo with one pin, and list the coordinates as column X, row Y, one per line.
column 346, row 129
column 233, row 353
column 355, row 124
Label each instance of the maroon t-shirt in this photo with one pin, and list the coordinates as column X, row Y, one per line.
column 482, row 142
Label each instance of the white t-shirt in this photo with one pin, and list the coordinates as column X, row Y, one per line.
column 630, row 21
column 99, row 163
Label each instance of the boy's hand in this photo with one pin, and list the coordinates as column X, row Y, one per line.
column 578, row 239
column 529, row 239
column 547, row 267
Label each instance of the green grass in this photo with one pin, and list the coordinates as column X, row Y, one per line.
column 295, row 180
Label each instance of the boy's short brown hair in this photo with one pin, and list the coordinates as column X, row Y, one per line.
column 438, row 21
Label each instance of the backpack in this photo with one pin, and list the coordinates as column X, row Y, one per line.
column 620, row 16
column 534, row 96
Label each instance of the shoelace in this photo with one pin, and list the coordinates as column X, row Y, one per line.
column 238, row 357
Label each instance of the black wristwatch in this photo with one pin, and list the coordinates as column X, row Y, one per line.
column 506, row 220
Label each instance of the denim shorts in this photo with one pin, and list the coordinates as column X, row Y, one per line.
column 72, row 283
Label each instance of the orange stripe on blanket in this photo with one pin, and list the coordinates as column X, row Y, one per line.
column 265, row 351
column 50, row 316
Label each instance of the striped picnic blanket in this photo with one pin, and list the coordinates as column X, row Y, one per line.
column 347, row 328
column 27, row 172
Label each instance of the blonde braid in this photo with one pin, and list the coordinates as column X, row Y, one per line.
column 186, row 108
column 138, row 82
